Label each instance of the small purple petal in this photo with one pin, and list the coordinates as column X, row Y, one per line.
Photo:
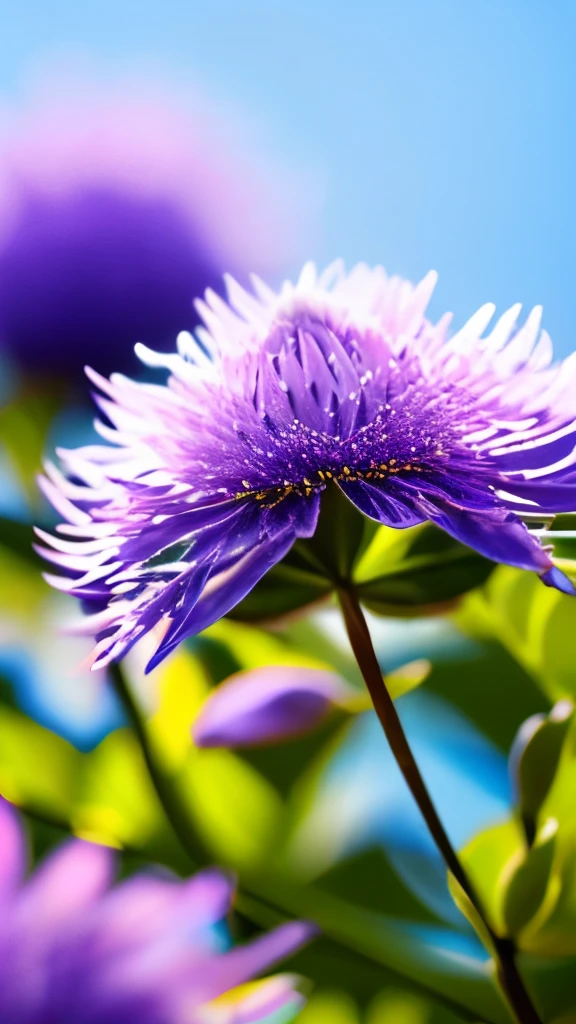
column 245, row 962
column 267, row 705
column 554, row 577
column 495, row 532
column 380, row 504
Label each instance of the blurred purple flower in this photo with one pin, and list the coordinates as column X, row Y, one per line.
column 117, row 207
column 338, row 380
column 267, row 705
column 149, row 951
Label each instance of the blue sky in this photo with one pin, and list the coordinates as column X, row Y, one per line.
column 435, row 133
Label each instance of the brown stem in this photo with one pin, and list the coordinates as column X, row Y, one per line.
column 361, row 643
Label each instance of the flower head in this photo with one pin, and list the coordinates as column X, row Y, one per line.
column 149, row 951
column 338, row 381
column 117, row 207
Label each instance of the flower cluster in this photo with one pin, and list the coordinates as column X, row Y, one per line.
column 152, row 950
column 338, row 380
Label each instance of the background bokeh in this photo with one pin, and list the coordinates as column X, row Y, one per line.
column 427, row 134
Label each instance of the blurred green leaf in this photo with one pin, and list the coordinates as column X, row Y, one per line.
column 36, row 766
column 407, row 677
column 24, row 426
column 470, row 912
column 18, row 538
column 22, row 589
column 236, row 810
column 535, row 623
column 335, row 1007
column 260, row 648
column 490, row 686
column 551, row 985
column 116, row 801
column 428, row 956
column 395, row 1007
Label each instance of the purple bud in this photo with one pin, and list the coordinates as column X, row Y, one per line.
column 268, row 705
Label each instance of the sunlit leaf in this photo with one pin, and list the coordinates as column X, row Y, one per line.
column 421, row 571
column 117, row 802
column 257, row 648
column 336, row 1007
column 182, row 687
column 407, row 677
column 488, row 858
column 236, row 810
column 525, row 887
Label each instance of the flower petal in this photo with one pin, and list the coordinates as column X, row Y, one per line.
column 242, row 963
column 243, row 560
column 494, row 532
column 271, row 1001
column 378, row 503
column 267, row 705
column 67, row 883
column 12, row 850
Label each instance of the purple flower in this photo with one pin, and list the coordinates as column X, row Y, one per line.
column 117, row 208
column 337, row 381
column 150, row 951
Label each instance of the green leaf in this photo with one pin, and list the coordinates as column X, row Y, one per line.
column 535, row 760
column 395, row 1007
column 535, row 623
column 488, row 858
column 407, row 677
column 260, row 648
column 402, row 573
column 284, row 589
column 339, row 534
column 526, row 885
column 468, row 909
column 422, row 571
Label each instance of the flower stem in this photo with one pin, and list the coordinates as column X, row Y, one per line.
column 361, row 643
column 163, row 784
